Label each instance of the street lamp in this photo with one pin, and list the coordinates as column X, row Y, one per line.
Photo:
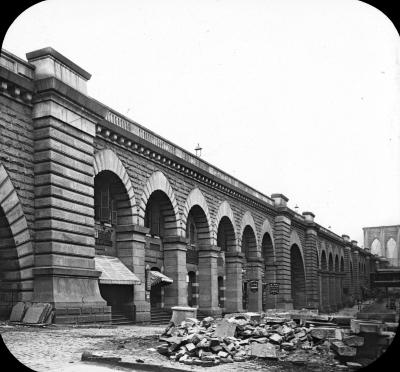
column 198, row 150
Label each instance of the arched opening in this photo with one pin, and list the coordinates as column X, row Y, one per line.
column 249, row 249
column 376, row 247
column 345, row 289
column 267, row 251
column 338, row 283
column 226, row 241
column 351, row 284
column 160, row 219
column 112, row 210
column 392, row 252
column 198, row 235
column 298, row 279
column 226, row 235
column 8, row 268
column 325, row 281
column 332, row 297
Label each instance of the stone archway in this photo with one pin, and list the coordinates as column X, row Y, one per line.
column 229, row 267
column 159, row 212
column 298, row 278
column 16, row 250
column 325, row 281
column 107, row 160
column 202, row 254
column 268, row 255
column 252, row 268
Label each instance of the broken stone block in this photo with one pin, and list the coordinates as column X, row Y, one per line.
column 222, row 354
column 163, row 349
column 275, row 338
column 353, row 340
column 183, row 358
column 321, row 333
column 263, row 350
column 206, row 322
column 288, row 346
column 299, row 360
column 216, row 348
column 286, row 330
column 197, row 338
column 190, row 347
column 306, row 345
column 225, row 329
column 343, row 350
column 354, row 365
column 203, row 343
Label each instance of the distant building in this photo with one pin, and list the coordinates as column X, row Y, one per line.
column 384, row 242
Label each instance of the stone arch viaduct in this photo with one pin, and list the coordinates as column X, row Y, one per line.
column 80, row 181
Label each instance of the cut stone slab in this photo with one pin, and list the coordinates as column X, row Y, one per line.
column 359, row 326
column 353, row 340
column 263, row 350
column 180, row 313
column 342, row 349
column 276, row 320
column 342, row 319
column 34, row 314
column 225, row 329
column 17, row 312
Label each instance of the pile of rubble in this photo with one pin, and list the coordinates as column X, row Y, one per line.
column 32, row 313
column 239, row 337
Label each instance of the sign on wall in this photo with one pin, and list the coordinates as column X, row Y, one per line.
column 254, row 285
column 273, row 288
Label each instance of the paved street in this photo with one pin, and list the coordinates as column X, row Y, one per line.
column 60, row 349
column 55, row 348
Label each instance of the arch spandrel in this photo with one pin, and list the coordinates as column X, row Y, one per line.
column 194, row 198
column 225, row 210
column 294, row 239
column 248, row 220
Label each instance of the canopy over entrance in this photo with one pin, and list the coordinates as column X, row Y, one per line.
column 158, row 278
column 113, row 271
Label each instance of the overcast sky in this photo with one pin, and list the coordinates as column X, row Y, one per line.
column 295, row 97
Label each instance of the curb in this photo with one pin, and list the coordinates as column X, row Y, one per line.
column 118, row 362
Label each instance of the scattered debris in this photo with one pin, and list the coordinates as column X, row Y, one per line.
column 277, row 336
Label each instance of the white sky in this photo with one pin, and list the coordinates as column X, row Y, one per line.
column 295, row 97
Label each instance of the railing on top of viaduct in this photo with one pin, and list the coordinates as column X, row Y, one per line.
column 130, row 126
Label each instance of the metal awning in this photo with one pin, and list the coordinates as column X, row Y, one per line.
column 113, row 271
column 159, row 278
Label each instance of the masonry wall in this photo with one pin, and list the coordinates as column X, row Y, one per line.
column 49, row 153
column 16, row 151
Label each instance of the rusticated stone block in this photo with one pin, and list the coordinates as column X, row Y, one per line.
column 74, row 311
column 353, row 340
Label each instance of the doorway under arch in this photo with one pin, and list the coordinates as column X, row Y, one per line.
column 298, row 279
